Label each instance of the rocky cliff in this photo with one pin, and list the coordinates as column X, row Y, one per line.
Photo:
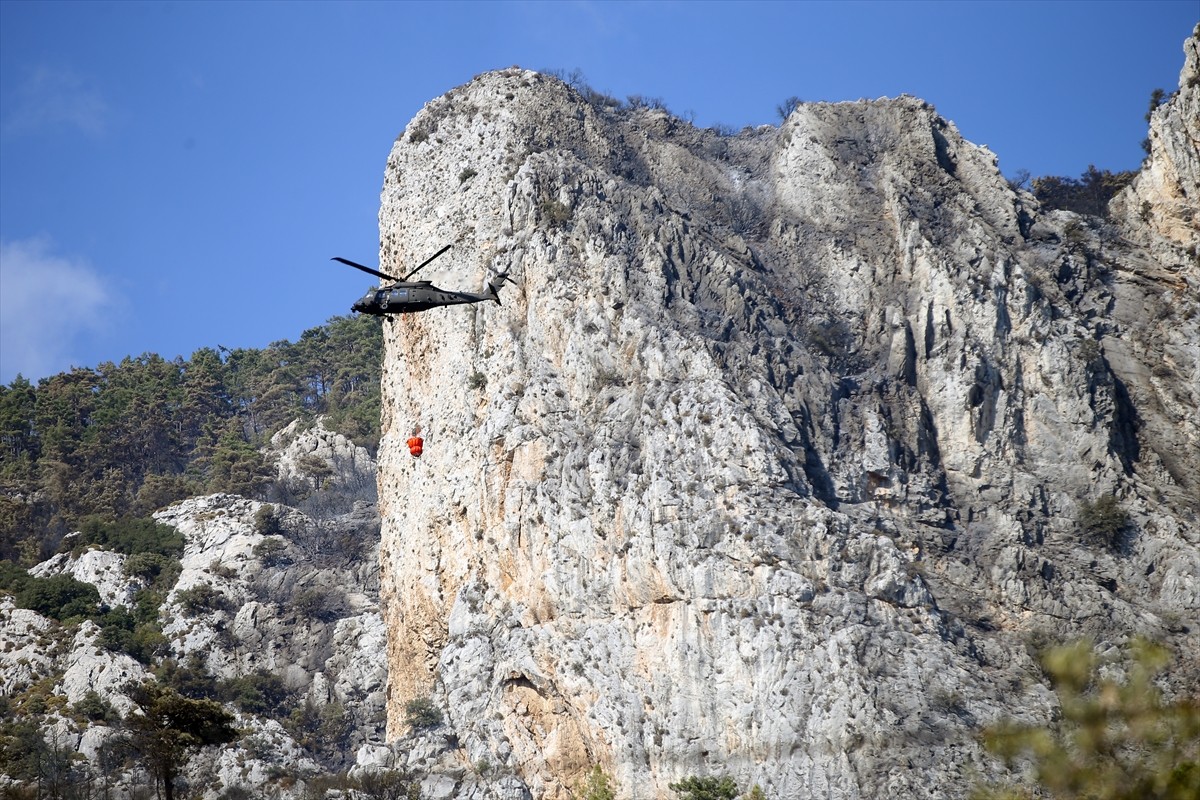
column 779, row 459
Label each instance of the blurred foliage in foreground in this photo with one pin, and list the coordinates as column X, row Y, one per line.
column 1117, row 738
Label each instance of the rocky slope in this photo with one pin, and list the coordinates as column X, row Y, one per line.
column 772, row 462
column 263, row 590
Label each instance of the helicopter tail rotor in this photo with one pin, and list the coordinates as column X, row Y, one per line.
column 496, row 283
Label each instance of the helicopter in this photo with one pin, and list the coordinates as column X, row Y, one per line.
column 403, row 296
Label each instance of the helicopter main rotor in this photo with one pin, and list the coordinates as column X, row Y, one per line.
column 367, row 270
column 385, row 276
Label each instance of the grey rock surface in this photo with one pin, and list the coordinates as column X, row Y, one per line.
column 320, row 471
column 771, row 463
column 307, row 612
column 101, row 568
column 26, row 647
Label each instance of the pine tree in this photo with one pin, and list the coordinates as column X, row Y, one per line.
column 596, row 786
column 168, row 727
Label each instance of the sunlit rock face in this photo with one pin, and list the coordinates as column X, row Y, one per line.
column 1161, row 204
column 770, row 463
column 303, row 610
column 104, row 570
column 321, row 469
column 24, row 656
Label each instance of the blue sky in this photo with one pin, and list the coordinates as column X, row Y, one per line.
column 178, row 175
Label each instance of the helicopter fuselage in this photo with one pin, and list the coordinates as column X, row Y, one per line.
column 409, row 297
column 403, row 296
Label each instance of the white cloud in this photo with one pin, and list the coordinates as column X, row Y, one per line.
column 49, row 304
column 50, row 97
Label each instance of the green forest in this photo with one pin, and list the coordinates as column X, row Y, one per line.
column 120, row 441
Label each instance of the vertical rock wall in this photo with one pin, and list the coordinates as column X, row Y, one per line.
column 769, row 464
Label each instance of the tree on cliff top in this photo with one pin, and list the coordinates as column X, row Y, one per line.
column 1089, row 194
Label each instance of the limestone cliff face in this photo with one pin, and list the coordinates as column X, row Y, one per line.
column 1162, row 201
column 1153, row 345
column 770, row 463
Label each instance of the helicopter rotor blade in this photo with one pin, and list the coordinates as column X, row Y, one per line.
column 368, row 270
column 426, row 261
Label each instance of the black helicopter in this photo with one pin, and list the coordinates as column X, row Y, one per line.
column 403, row 296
